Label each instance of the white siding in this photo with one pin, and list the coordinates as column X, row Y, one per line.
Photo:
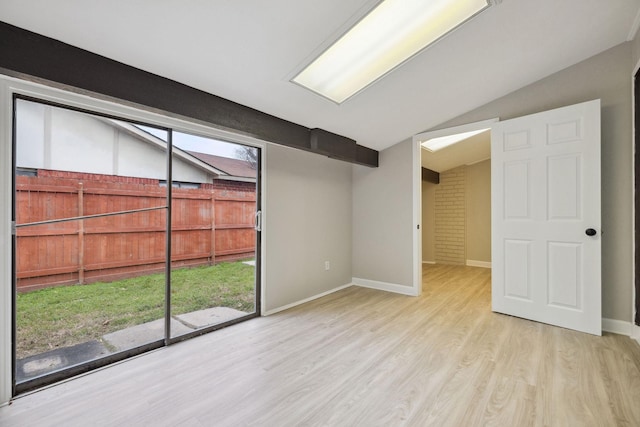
column 59, row 139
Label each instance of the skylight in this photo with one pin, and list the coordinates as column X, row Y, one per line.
column 435, row 144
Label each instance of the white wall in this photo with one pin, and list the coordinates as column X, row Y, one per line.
column 307, row 222
column 635, row 50
column 383, row 227
column 478, row 212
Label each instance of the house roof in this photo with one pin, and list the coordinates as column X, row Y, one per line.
column 233, row 167
column 217, row 166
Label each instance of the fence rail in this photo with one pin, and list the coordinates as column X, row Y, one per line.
column 73, row 230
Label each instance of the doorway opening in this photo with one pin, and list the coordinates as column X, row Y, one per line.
column 546, row 222
column 129, row 236
column 456, row 211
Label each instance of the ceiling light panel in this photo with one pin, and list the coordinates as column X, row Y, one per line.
column 390, row 34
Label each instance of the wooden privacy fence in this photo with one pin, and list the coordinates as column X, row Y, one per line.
column 209, row 225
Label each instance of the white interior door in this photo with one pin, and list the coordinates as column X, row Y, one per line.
column 546, row 217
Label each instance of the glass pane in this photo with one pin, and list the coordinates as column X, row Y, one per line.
column 213, row 238
column 89, row 281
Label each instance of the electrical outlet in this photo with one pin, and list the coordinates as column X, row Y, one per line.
column 327, row 265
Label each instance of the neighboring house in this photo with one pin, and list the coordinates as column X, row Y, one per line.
column 58, row 139
column 231, row 169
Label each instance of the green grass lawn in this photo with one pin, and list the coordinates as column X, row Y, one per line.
column 66, row 315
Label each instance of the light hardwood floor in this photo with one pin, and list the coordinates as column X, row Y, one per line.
column 364, row 357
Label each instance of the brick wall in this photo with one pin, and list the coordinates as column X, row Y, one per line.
column 218, row 184
column 48, row 173
column 450, row 217
column 222, row 184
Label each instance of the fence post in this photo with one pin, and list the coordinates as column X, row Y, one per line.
column 80, row 233
column 213, row 227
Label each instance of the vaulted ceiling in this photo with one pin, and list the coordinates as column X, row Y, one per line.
column 248, row 50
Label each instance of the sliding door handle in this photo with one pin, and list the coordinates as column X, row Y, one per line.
column 258, row 221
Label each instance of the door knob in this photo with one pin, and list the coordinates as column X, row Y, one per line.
column 590, row 232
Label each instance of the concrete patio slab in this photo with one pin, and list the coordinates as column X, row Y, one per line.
column 138, row 335
column 210, row 316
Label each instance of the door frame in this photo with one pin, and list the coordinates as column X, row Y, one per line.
column 10, row 86
column 635, row 167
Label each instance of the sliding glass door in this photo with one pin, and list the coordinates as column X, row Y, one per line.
column 128, row 237
column 213, row 236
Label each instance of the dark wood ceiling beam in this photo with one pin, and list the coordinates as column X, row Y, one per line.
column 430, row 176
column 26, row 54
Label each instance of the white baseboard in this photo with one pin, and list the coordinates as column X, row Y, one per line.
column 635, row 333
column 384, row 286
column 616, row 326
column 474, row 263
column 428, row 262
column 293, row 304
